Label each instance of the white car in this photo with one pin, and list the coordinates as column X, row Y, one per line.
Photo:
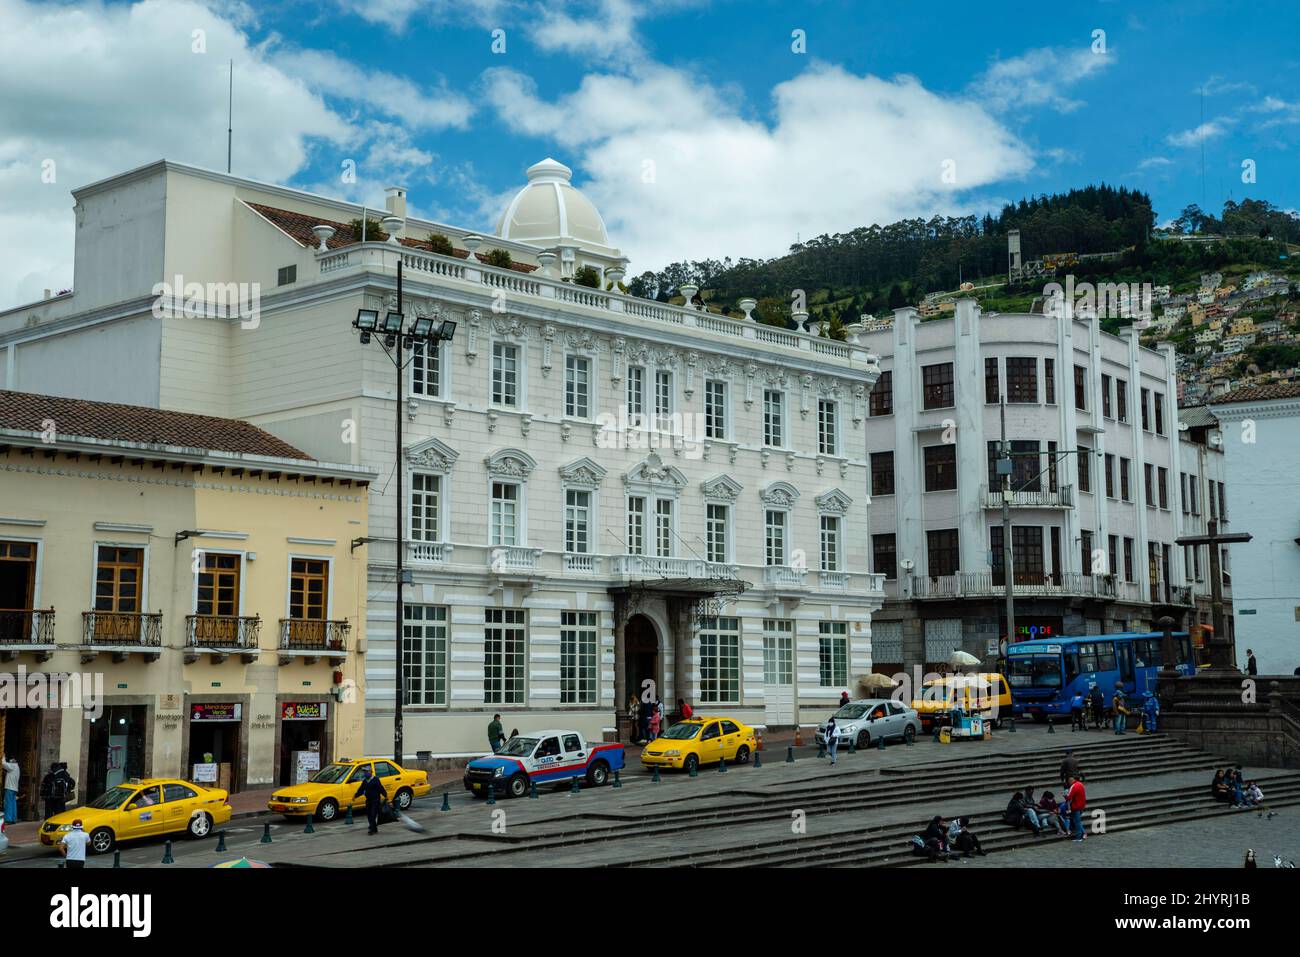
column 867, row 721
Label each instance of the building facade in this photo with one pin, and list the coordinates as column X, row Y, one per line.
column 607, row 497
column 177, row 598
column 1261, row 441
column 1093, row 427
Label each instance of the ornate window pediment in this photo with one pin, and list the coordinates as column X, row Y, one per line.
column 721, row 488
column 652, row 475
column 510, row 462
column 432, row 455
column 583, row 473
column 834, row 502
column 779, row 495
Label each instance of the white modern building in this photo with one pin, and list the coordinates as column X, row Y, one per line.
column 607, row 496
column 1093, row 426
column 1261, row 440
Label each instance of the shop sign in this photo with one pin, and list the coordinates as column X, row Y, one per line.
column 304, row 711
column 216, row 712
column 205, row 774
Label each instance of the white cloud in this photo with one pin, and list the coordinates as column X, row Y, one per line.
column 1038, row 78
column 1216, row 85
column 1198, row 134
column 840, row 150
column 397, row 14
column 99, row 89
column 1153, row 162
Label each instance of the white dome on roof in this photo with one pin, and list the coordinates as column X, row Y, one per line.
column 549, row 211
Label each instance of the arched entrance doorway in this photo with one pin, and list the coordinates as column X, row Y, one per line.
column 641, row 658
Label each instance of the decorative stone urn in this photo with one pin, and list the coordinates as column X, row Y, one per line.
column 546, row 260
column 392, row 225
column 747, row 306
column 688, row 290
column 323, row 234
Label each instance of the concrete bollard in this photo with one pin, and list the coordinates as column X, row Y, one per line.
column 446, row 800
column 221, row 842
column 117, row 858
column 880, row 742
column 789, row 755
column 532, row 790
column 695, row 771
column 309, row 829
column 492, row 794
column 266, row 834
column 617, row 782
column 167, row 854
column 758, row 759
column 577, row 786
column 654, row 774
column 347, row 818
column 1011, row 726
column 722, row 766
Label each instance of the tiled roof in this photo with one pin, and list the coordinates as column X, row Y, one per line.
column 1260, row 393
column 299, row 227
column 1197, row 416
column 27, row 412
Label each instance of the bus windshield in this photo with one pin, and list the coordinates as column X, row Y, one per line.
column 1034, row 671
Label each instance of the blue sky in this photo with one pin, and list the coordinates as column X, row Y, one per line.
column 696, row 127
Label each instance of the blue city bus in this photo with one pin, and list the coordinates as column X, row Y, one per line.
column 1046, row 674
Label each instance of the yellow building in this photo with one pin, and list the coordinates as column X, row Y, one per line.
column 1242, row 326
column 178, row 597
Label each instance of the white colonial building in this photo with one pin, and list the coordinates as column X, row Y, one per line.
column 602, row 491
column 1094, row 432
column 1261, row 441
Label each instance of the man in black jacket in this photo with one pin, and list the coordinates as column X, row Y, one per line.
column 56, row 787
column 375, row 794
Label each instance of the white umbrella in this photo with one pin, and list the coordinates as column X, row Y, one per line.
column 962, row 659
column 875, row 681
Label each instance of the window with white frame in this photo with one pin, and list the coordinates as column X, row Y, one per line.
column 577, row 387
column 635, row 395
column 774, row 536
column 716, row 525
column 827, row 438
column 577, row 521
column 578, row 657
column 715, row 409
column 663, row 527
column 426, row 501
column 720, row 660
column 773, row 418
column 663, row 399
column 778, row 651
column 505, row 639
column 833, row 654
column 426, row 370
column 424, row 654
column 505, row 513
column 636, row 525
column 505, row 374
column 830, row 542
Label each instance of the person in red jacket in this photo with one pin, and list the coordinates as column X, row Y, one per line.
column 685, row 709
column 1076, row 799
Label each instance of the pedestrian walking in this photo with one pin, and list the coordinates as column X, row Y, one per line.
column 1076, row 713
column 1097, row 705
column 832, row 738
column 56, row 787
column 1117, row 709
column 496, row 733
column 73, row 845
column 1076, row 799
column 12, row 775
column 1069, row 767
column 844, row 698
column 373, row 790
column 1251, row 667
column 654, row 724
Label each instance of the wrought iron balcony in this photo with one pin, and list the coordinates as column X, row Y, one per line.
column 1030, row 498
column 314, row 635
column 222, row 631
column 122, row 628
column 23, row 629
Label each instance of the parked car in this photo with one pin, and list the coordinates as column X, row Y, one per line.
column 544, row 757
column 696, row 741
column 867, row 721
column 334, row 787
column 142, row 808
column 985, row 694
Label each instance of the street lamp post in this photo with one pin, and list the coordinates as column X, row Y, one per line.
column 396, row 339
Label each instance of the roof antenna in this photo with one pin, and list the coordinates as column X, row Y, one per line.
column 230, row 115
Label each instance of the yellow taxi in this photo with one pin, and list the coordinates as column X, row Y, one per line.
column 142, row 808
column 986, row 694
column 334, row 787
column 696, row 741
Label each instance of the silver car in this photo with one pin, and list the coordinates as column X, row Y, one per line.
column 866, row 721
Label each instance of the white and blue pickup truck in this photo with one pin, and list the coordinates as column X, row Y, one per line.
column 542, row 757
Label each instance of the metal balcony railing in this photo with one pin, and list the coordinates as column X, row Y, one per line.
column 222, row 631
column 26, row 626
column 1028, row 498
column 121, row 628
column 312, row 634
column 993, row 584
